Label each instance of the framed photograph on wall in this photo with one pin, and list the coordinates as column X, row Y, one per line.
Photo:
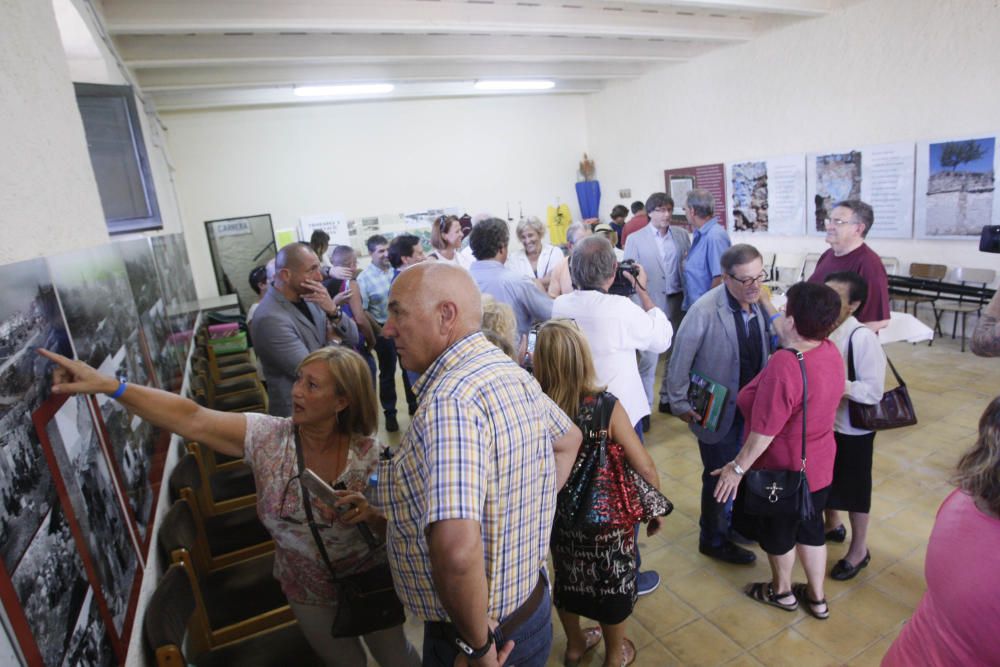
column 101, row 524
column 768, row 196
column 711, row 177
column 956, row 187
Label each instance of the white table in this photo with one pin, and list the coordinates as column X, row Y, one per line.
column 903, row 326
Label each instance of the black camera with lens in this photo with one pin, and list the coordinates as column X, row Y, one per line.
column 622, row 286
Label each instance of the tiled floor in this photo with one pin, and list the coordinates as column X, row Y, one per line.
column 699, row 615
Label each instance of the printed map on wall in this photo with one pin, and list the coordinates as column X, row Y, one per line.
column 956, row 182
column 881, row 175
column 768, row 195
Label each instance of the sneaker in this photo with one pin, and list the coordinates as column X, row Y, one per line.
column 664, row 407
column 391, row 425
column 645, row 424
column 728, row 552
column 647, row 582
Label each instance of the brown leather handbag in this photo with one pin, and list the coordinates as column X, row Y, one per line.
column 895, row 410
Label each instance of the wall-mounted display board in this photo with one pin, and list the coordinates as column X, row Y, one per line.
column 334, row 224
column 238, row 246
column 881, row 175
column 177, row 286
column 955, row 193
column 711, row 177
column 48, row 600
column 141, row 269
column 93, row 289
column 768, row 195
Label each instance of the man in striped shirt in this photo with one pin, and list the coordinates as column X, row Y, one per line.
column 470, row 494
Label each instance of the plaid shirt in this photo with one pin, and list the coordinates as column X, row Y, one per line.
column 375, row 284
column 480, row 448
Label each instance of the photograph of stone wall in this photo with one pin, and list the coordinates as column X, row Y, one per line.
column 749, row 195
column 959, row 195
column 838, row 177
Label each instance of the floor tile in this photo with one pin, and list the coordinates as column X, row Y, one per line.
column 701, row 643
column 791, row 649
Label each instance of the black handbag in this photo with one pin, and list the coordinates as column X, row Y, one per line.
column 366, row 601
column 894, row 410
column 781, row 492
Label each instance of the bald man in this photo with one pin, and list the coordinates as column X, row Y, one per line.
column 296, row 317
column 471, row 492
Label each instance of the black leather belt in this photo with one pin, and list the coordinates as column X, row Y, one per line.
column 446, row 630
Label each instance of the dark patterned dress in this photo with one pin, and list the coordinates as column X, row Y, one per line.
column 595, row 573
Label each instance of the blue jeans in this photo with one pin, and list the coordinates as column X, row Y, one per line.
column 716, row 518
column 532, row 641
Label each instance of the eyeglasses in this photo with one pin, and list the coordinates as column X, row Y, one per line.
column 747, row 282
column 284, row 515
column 838, row 222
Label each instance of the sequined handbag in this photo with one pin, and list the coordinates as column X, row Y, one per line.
column 603, row 491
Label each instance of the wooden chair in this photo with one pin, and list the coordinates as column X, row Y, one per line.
column 891, row 265
column 222, row 490
column 239, row 599
column 230, row 536
column 965, row 304
column 931, row 272
column 178, row 634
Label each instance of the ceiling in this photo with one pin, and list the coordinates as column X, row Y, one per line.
column 212, row 54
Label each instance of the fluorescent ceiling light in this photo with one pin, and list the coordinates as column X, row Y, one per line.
column 351, row 89
column 513, row 84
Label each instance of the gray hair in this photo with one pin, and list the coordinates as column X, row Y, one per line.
column 341, row 255
column 592, row 262
column 701, row 203
column 863, row 213
column 573, row 232
column 741, row 253
column 530, row 222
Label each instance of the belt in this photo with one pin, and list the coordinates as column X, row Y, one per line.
column 446, row 630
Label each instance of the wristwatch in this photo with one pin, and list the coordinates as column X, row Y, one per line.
column 336, row 314
column 737, row 469
column 475, row 653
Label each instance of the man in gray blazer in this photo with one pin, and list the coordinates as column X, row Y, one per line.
column 660, row 248
column 725, row 337
column 295, row 317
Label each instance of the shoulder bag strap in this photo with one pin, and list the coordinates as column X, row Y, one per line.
column 307, row 506
column 805, row 401
column 850, row 355
column 899, row 378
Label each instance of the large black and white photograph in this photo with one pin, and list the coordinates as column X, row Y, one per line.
column 51, row 586
column 97, row 300
column 89, row 645
column 91, row 491
column 141, row 269
column 176, row 281
column 29, row 319
column 131, row 439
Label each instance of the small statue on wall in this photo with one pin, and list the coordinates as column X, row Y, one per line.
column 587, row 168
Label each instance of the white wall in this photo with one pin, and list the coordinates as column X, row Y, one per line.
column 47, row 185
column 373, row 158
column 876, row 72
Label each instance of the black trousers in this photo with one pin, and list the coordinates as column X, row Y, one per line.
column 385, row 350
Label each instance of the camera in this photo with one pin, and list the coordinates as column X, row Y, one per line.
column 622, row 286
column 989, row 240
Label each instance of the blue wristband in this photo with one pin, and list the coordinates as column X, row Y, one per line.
column 120, row 390
column 775, row 316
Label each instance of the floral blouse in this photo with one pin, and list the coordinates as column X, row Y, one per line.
column 298, row 565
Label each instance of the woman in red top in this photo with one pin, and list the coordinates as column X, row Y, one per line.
column 772, row 406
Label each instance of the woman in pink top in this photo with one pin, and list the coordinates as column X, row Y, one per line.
column 772, row 406
column 334, row 415
column 958, row 618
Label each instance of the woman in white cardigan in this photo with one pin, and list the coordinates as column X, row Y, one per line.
column 538, row 258
column 852, row 469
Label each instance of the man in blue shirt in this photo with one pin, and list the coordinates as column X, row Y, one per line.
column 489, row 241
column 702, row 270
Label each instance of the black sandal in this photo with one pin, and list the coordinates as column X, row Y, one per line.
column 801, row 591
column 763, row 592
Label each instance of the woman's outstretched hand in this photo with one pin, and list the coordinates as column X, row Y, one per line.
column 76, row 377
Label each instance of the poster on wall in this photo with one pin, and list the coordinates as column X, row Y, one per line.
column 177, row 286
column 141, row 269
column 711, row 177
column 956, row 181
column 29, row 319
column 881, row 175
column 85, row 482
column 334, row 224
column 94, row 291
column 768, row 195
